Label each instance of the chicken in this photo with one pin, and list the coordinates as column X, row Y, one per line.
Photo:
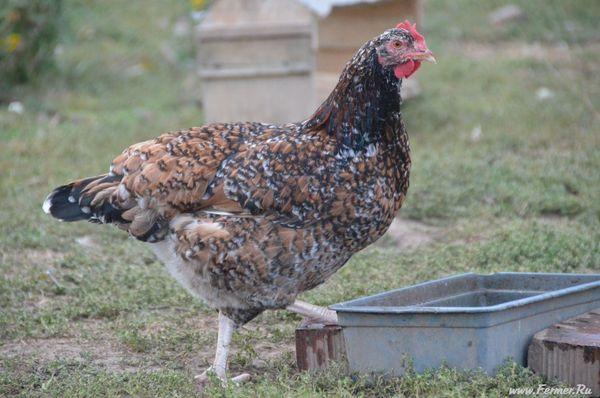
column 246, row 216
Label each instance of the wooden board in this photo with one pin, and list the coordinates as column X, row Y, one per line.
column 256, row 61
column 569, row 351
column 347, row 28
column 318, row 346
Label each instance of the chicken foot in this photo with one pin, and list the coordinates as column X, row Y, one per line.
column 227, row 326
column 315, row 312
column 219, row 366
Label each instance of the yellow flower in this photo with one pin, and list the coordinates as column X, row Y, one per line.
column 12, row 42
column 198, row 4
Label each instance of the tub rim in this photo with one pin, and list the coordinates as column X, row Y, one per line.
column 355, row 305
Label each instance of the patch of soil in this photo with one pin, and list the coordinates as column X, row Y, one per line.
column 32, row 256
column 267, row 350
column 93, row 343
column 101, row 353
column 28, row 258
column 409, row 234
column 554, row 220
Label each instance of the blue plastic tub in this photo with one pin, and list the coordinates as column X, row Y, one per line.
column 467, row 321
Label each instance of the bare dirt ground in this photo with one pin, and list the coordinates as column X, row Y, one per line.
column 96, row 344
column 409, row 234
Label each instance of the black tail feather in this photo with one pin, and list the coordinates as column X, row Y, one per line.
column 71, row 203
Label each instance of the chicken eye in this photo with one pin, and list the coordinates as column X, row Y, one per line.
column 397, row 43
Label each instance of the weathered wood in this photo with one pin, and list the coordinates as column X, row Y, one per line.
column 256, row 61
column 318, row 346
column 259, row 59
column 569, row 351
column 347, row 27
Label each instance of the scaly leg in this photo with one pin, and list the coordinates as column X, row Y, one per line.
column 219, row 366
column 327, row 316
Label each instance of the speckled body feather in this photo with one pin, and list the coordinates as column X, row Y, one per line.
column 248, row 215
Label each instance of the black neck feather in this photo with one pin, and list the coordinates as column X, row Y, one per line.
column 364, row 106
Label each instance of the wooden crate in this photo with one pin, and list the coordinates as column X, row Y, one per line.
column 256, row 61
column 569, row 351
column 346, row 28
column 277, row 60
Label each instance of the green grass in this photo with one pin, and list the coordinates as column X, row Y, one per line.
column 520, row 196
column 549, row 21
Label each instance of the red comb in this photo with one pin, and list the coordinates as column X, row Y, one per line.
column 412, row 29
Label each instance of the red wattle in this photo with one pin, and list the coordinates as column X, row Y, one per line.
column 406, row 69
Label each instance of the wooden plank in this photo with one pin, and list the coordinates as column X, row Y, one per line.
column 240, row 73
column 349, row 27
column 230, row 13
column 269, row 99
column 569, row 351
column 318, row 346
column 256, row 62
column 249, row 31
column 252, row 52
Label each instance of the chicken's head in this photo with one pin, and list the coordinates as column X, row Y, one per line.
column 403, row 49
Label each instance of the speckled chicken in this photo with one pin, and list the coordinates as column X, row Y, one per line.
column 246, row 216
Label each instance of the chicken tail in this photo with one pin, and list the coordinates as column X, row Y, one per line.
column 86, row 199
column 100, row 199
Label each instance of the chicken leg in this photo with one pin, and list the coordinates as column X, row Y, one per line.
column 322, row 314
column 219, row 366
column 227, row 326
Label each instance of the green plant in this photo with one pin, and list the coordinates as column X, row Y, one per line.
column 28, row 34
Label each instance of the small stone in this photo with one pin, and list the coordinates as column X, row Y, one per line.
column 476, row 133
column 544, row 93
column 87, row 242
column 16, row 107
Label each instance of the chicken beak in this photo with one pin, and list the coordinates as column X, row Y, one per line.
column 425, row 56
